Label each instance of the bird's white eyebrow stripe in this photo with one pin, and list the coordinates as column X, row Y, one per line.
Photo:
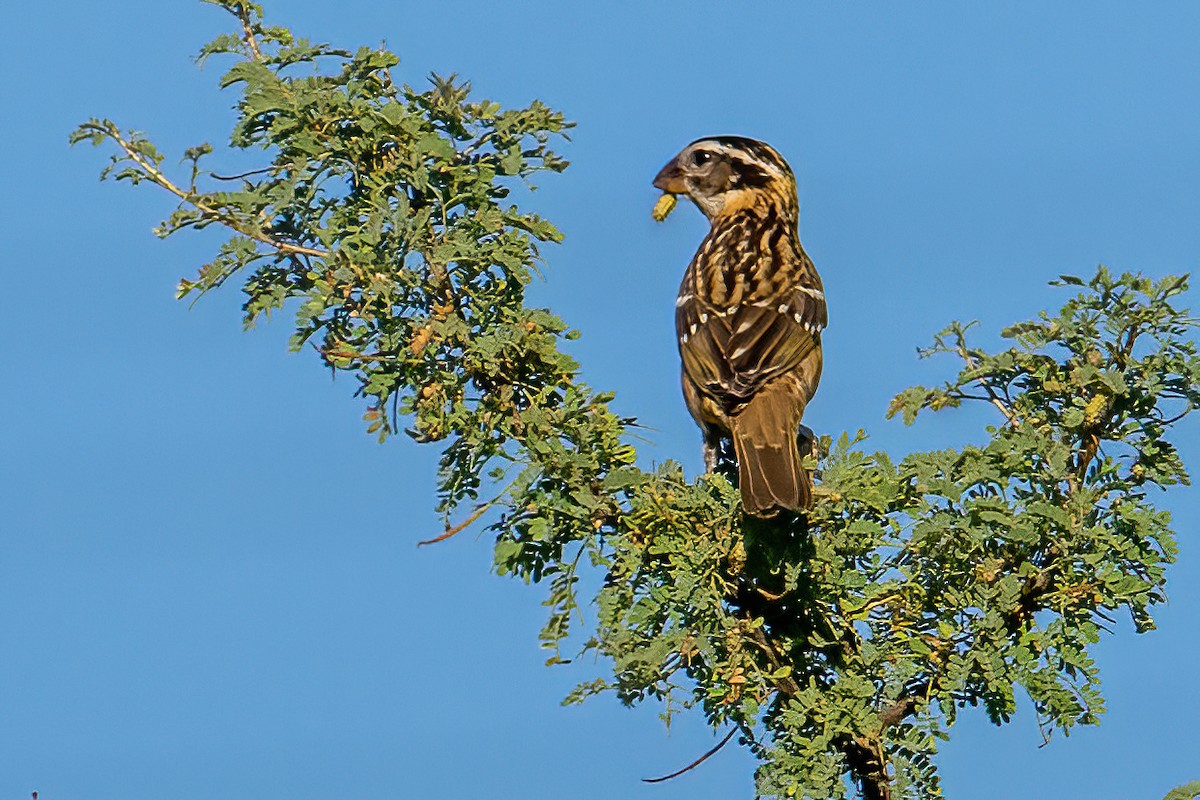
column 739, row 154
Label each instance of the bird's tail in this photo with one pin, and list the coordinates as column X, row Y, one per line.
column 770, row 472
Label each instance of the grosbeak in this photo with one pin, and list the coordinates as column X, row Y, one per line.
column 749, row 316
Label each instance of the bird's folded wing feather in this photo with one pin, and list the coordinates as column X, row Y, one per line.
column 731, row 353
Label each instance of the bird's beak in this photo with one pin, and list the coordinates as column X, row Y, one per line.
column 670, row 178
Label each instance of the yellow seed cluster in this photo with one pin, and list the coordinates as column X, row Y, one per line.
column 664, row 207
column 1095, row 410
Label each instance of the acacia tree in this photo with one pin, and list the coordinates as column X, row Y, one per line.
column 838, row 646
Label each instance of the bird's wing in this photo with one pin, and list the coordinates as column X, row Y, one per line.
column 731, row 353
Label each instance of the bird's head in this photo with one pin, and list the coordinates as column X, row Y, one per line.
column 724, row 174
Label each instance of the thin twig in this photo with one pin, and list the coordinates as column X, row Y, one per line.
column 162, row 180
column 355, row 356
column 242, row 175
column 870, row 606
column 470, row 149
column 248, row 29
column 479, row 512
column 965, row 354
column 1176, row 418
column 787, row 684
column 695, row 763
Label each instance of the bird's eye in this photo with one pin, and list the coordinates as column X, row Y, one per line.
column 701, row 157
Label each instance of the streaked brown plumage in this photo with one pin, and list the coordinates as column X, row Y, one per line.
column 749, row 316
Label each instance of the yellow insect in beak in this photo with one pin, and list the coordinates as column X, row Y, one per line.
column 664, row 207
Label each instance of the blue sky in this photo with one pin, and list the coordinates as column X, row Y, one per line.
column 208, row 579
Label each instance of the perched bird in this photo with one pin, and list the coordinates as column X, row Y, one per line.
column 749, row 316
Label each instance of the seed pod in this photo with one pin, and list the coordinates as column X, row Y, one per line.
column 664, row 207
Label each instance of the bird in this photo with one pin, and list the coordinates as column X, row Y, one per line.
column 749, row 317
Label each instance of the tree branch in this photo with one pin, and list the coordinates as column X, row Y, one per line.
column 155, row 174
column 965, row 355
column 243, row 14
column 868, row 764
